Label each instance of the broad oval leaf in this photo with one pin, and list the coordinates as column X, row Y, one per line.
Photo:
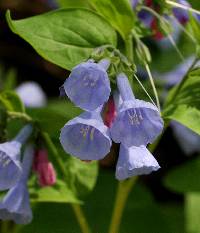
column 72, row 3
column 184, row 178
column 65, row 37
column 185, row 106
column 59, row 193
column 118, row 13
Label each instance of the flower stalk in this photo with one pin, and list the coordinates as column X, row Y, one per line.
column 81, row 219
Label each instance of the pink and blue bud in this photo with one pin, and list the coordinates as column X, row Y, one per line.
column 44, row 169
column 86, row 137
column 134, row 161
column 137, row 122
column 10, row 153
column 16, row 204
column 88, row 85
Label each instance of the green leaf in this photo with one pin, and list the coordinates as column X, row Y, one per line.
column 65, row 37
column 184, row 178
column 81, row 176
column 53, row 117
column 195, row 28
column 118, row 13
column 185, row 107
column 59, row 193
column 192, row 210
column 72, row 3
column 11, row 101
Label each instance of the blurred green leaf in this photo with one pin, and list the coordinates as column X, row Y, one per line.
column 81, row 176
column 59, row 193
column 72, row 3
column 192, row 211
column 118, row 13
column 11, row 101
column 194, row 28
column 185, row 107
column 53, row 117
column 184, row 178
column 10, row 79
column 65, row 37
column 141, row 208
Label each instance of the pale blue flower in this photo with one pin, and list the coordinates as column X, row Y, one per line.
column 135, row 161
column 88, row 85
column 188, row 140
column 86, row 136
column 10, row 166
column 31, row 94
column 16, row 205
column 137, row 122
column 181, row 14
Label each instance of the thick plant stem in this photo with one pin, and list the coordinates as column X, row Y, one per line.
column 84, row 226
column 81, row 218
column 123, row 191
column 129, row 48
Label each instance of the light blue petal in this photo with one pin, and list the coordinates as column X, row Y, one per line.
column 137, row 123
column 135, row 161
column 16, row 206
column 88, row 86
column 10, row 166
column 86, row 137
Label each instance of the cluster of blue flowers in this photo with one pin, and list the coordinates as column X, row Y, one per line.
column 137, row 122
column 13, row 177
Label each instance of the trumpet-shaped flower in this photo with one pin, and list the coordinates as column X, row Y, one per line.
column 135, row 161
column 137, row 122
column 88, row 85
column 10, row 166
column 16, row 205
column 86, row 136
column 181, row 14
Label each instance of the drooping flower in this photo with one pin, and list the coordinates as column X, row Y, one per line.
column 176, row 75
column 186, row 138
column 31, row 94
column 134, row 161
column 10, row 166
column 16, row 205
column 137, row 122
column 165, row 42
column 44, row 169
column 146, row 17
column 181, row 14
column 88, row 85
column 86, row 136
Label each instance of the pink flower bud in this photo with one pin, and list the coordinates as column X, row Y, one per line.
column 44, row 169
column 110, row 113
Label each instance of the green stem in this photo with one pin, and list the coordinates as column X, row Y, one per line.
column 84, row 226
column 182, row 6
column 81, row 218
column 19, row 115
column 123, row 191
column 129, row 48
column 153, row 85
column 124, row 187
